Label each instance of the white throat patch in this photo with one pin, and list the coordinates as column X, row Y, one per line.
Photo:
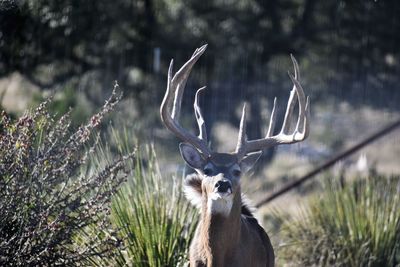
column 220, row 203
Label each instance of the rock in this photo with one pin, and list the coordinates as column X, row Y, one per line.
column 16, row 93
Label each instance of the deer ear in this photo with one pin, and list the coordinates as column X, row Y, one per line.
column 248, row 161
column 192, row 189
column 192, row 156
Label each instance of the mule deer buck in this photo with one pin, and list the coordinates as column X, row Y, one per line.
column 227, row 234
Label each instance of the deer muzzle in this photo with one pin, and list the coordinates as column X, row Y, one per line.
column 223, row 186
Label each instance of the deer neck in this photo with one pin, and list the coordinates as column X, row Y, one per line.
column 220, row 233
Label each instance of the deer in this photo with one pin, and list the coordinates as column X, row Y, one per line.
column 227, row 233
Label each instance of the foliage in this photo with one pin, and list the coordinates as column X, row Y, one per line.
column 154, row 218
column 50, row 192
column 347, row 49
column 63, row 39
column 356, row 225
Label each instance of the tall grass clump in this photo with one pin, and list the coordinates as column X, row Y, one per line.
column 152, row 217
column 50, row 192
column 355, row 225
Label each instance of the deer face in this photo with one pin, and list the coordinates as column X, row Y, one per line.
column 218, row 179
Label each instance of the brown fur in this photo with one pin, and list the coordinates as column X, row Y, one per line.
column 194, row 182
column 236, row 240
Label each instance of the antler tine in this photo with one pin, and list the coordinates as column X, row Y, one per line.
column 242, row 137
column 289, row 111
column 302, row 103
column 272, row 121
column 180, row 78
column 296, row 67
column 199, row 116
column 175, row 89
column 292, row 100
column 302, row 127
column 301, row 91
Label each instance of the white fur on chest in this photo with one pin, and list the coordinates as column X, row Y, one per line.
column 219, row 204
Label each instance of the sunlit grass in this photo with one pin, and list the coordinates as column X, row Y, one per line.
column 150, row 213
column 356, row 225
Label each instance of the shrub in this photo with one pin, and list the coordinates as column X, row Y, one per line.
column 49, row 191
column 152, row 216
column 356, row 225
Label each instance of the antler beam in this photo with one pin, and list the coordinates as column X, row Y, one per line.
column 173, row 97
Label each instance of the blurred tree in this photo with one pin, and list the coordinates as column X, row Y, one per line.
column 344, row 48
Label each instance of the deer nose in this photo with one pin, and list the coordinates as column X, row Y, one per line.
column 223, row 186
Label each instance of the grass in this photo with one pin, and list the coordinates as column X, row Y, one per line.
column 150, row 213
column 355, row 225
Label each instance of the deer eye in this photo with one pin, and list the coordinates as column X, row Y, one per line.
column 236, row 172
column 207, row 171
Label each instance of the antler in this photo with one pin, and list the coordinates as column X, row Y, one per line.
column 175, row 88
column 284, row 137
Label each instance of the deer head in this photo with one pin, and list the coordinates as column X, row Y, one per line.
column 219, row 173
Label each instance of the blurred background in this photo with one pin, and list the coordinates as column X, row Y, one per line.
column 348, row 52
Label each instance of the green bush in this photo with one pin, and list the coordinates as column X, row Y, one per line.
column 355, row 225
column 152, row 216
column 50, row 192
